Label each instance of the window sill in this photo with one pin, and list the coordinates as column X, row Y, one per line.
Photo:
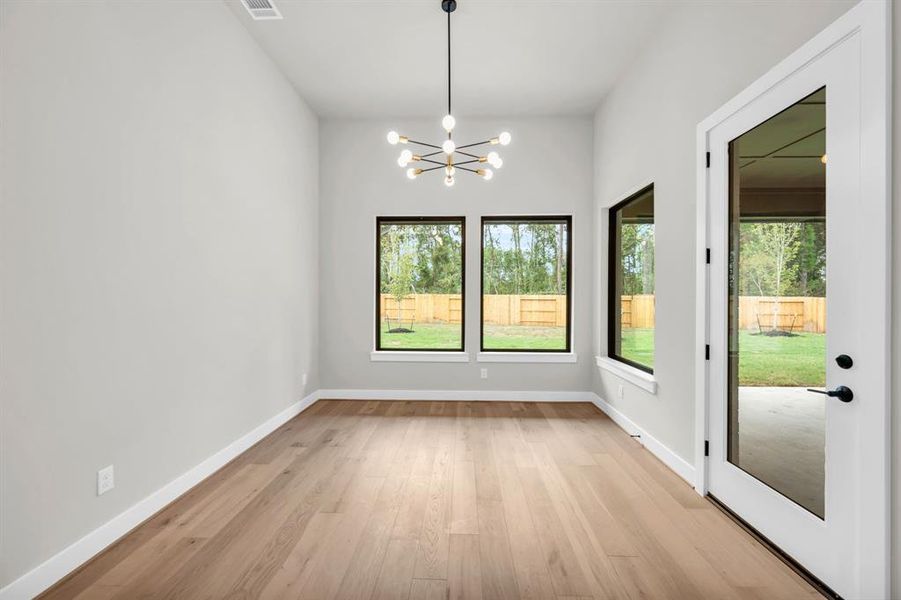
column 642, row 379
column 528, row 357
column 413, row 356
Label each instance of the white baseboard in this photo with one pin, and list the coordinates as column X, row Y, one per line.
column 676, row 463
column 458, row 395
column 55, row 568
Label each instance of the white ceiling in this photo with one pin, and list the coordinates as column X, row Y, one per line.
column 785, row 150
column 369, row 58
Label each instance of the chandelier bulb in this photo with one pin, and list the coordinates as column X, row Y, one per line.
column 486, row 174
column 448, row 146
column 405, row 157
column 413, row 173
column 393, row 138
column 450, row 170
column 504, row 138
column 449, row 181
column 494, row 160
column 448, row 122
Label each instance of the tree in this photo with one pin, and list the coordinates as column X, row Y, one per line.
column 810, row 261
column 768, row 252
column 637, row 256
column 397, row 263
column 524, row 258
column 401, row 283
column 558, row 265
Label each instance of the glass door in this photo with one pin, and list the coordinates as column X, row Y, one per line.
column 785, row 219
column 795, row 380
column 777, row 302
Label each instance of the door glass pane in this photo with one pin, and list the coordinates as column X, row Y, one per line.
column 777, row 301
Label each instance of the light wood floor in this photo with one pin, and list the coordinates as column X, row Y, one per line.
column 400, row 500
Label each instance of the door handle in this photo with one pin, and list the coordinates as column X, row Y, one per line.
column 842, row 392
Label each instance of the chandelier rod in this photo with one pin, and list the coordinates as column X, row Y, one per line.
column 449, row 68
column 475, row 144
column 424, row 144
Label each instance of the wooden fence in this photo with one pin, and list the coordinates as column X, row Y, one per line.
column 424, row 308
column 795, row 313
column 637, row 311
column 755, row 312
column 531, row 311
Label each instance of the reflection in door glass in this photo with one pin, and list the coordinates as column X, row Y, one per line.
column 777, row 301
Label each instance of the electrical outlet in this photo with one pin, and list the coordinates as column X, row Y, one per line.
column 484, row 373
column 105, row 480
column 304, row 379
column 620, row 392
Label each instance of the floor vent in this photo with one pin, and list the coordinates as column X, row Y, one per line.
column 261, row 10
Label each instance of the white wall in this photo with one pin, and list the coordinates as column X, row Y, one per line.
column 645, row 130
column 158, row 255
column 547, row 169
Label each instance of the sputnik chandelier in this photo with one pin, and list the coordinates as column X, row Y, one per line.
column 448, row 156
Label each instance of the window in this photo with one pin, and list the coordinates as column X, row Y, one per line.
column 419, row 283
column 630, row 323
column 526, row 280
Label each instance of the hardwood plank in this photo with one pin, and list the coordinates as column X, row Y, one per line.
column 614, row 539
column 294, row 573
column 464, row 513
column 394, row 582
column 495, row 559
column 408, row 524
column 431, row 562
column 160, row 558
column 558, row 554
column 437, row 500
column 249, row 548
column 428, row 589
column 334, row 558
column 529, row 563
column 464, row 573
column 366, row 564
column 588, row 550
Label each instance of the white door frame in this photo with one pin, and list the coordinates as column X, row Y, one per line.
column 871, row 20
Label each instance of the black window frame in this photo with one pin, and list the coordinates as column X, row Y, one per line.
column 612, row 266
column 379, row 221
column 568, row 219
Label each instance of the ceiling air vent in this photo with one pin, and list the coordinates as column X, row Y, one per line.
column 261, row 9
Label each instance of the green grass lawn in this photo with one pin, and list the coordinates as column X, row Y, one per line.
column 518, row 337
column 497, row 337
column 763, row 361
column 431, row 336
column 638, row 346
